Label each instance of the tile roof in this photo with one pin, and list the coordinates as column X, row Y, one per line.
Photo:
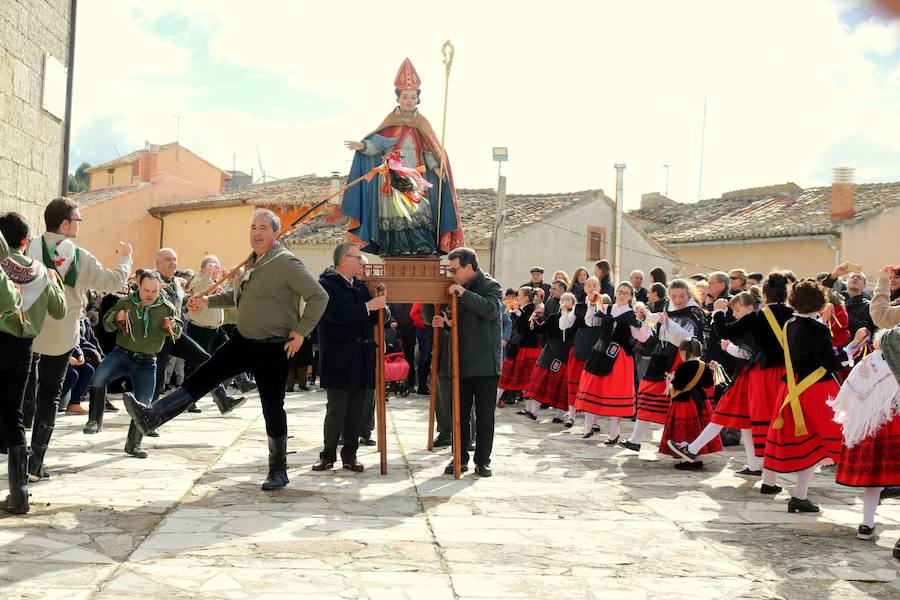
column 805, row 212
column 125, row 160
column 88, row 198
column 478, row 208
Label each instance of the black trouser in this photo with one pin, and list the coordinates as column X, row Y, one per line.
column 443, row 409
column 30, row 392
column 185, row 347
column 408, row 337
column 51, row 373
column 15, row 363
column 368, row 418
column 206, row 338
column 343, row 415
column 424, row 339
column 482, row 393
column 266, row 360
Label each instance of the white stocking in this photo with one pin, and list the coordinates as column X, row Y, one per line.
column 614, row 427
column 747, row 440
column 804, row 477
column 871, row 497
column 640, row 431
column 589, row 421
column 560, row 413
column 705, row 437
column 572, row 410
column 768, row 477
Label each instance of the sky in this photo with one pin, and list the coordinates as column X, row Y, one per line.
column 791, row 89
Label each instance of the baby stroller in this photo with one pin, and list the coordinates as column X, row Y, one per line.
column 396, row 369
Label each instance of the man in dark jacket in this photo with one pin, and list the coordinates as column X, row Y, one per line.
column 537, row 280
column 346, row 355
column 480, row 309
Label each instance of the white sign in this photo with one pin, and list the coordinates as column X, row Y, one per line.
column 54, row 94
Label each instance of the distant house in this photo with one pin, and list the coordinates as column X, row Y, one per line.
column 122, row 190
column 779, row 227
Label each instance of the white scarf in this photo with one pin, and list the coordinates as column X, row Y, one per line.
column 30, row 280
column 869, row 398
column 62, row 253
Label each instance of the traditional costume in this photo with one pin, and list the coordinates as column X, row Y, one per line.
column 583, row 340
column 689, row 412
column 547, row 383
column 522, row 351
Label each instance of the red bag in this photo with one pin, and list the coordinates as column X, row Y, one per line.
column 395, row 367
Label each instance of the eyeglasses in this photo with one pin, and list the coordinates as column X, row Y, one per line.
column 454, row 271
column 75, row 219
column 735, row 278
column 353, row 256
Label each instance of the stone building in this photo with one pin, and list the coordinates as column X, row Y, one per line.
column 35, row 51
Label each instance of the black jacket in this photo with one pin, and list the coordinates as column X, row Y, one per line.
column 615, row 337
column 607, row 287
column 682, row 378
column 663, row 356
column 809, row 342
column 523, row 333
column 858, row 314
column 768, row 351
column 346, row 345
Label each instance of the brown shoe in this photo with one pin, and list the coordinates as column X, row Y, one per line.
column 76, row 409
column 323, row 465
column 355, row 466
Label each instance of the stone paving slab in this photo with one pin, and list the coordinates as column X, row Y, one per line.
column 563, row 517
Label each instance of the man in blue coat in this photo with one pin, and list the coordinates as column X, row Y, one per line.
column 346, row 355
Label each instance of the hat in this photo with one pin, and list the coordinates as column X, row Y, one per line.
column 407, row 78
column 537, row 270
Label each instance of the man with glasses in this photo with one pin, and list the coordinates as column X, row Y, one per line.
column 346, row 356
column 737, row 279
column 79, row 270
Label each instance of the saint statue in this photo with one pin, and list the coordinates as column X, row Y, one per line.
column 412, row 209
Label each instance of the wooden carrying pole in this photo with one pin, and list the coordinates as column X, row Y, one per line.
column 380, row 392
column 454, row 351
column 435, row 359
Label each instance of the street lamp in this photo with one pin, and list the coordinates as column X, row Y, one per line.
column 501, row 155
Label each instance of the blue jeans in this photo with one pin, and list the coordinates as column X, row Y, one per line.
column 78, row 379
column 140, row 368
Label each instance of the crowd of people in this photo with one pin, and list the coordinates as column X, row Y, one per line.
column 802, row 372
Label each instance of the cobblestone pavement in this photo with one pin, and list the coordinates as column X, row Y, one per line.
column 561, row 518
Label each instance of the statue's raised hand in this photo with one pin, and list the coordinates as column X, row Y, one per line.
column 351, row 145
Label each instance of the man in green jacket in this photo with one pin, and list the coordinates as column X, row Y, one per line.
column 480, row 308
column 28, row 293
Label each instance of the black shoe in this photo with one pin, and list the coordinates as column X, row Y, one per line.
column 147, row 418
column 748, row 472
column 890, row 492
column 568, row 423
column 523, row 412
column 40, row 438
column 690, row 466
column 770, row 490
column 471, row 447
column 223, row 401
column 110, row 407
column 681, row 449
column 133, row 442
column 556, row 420
column 323, row 465
column 448, row 470
column 532, row 416
column 483, row 470
column 442, row 442
column 545, row 406
column 193, row 408
column 588, row 434
column 595, row 428
column 795, row 505
column 96, row 409
column 303, row 388
column 277, row 477
column 611, row 442
column 897, row 549
column 245, row 385
column 630, row 445
column 423, row 391
column 17, row 503
column 865, row 532
column 367, row 441
column 152, row 433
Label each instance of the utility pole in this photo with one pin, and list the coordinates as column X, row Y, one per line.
column 499, row 222
column 617, row 227
column 667, row 180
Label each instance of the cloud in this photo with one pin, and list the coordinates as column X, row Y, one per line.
column 570, row 89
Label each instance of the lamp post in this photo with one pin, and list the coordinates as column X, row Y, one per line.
column 667, row 167
column 617, row 226
column 501, row 155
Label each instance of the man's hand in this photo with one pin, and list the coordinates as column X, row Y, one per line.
column 720, row 304
column 840, row 270
column 376, row 303
column 456, row 290
column 440, row 321
column 120, row 316
column 76, row 361
column 197, row 303
column 725, row 345
column 124, row 249
column 886, row 271
column 168, row 323
column 827, row 312
column 293, row 346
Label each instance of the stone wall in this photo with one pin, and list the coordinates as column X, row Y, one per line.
column 31, row 139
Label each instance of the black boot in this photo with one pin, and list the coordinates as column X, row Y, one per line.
column 147, row 418
column 96, row 410
column 18, row 480
column 277, row 477
column 244, row 383
column 133, row 442
column 225, row 402
column 40, row 438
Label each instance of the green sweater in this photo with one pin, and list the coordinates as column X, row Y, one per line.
column 52, row 299
column 137, row 340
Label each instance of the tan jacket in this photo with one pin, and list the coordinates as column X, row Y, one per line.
column 208, row 317
column 883, row 314
column 59, row 337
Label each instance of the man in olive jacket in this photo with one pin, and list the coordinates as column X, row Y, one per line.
column 480, row 309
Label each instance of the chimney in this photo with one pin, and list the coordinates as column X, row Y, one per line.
column 843, row 191
column 335, row 186
column 148, row 165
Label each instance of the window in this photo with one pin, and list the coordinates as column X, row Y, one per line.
column 112, row 176
column 596, row 243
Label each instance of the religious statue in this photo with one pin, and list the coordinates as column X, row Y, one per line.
column 409, row 207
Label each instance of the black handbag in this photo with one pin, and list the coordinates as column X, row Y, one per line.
column 603, row 357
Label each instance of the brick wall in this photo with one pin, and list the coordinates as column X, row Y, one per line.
column 31, row 140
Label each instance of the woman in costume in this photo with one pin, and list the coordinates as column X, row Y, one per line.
column 389, row 221
column 522, row 351
column 547, row 384
column 583, row 339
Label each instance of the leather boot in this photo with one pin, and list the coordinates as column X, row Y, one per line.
column 225, row 402
column 18, row 480
column 95, row 411
column 147, row 418
column 244, row 383
column 277, row 477
column 40, row 438
column 133, row 442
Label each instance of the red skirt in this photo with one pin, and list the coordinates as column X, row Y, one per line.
column 733, row 409
column 684, row 423
column 653, row 400
column 787, row 452
column 517, row 371
column 610, row 395
column 548, row 387
column 874, row 462
column 766, row 389
column 574, row 368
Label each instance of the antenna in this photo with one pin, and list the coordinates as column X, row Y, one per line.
column 261, row 169
column 667, row 167
column 118, row 154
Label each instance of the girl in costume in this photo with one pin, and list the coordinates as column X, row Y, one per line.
column 522, row 351
column 547, row 384
column 733, row 408
column 583, row 339
column 682, row 319
column 803, row 433
column 689, row 412
column 143, row 319
column 606, row 388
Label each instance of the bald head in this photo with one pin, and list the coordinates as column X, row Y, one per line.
column 166, row 262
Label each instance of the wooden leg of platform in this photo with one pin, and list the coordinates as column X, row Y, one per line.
column 381, row 393
column 435, row 359
column 454, row 350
